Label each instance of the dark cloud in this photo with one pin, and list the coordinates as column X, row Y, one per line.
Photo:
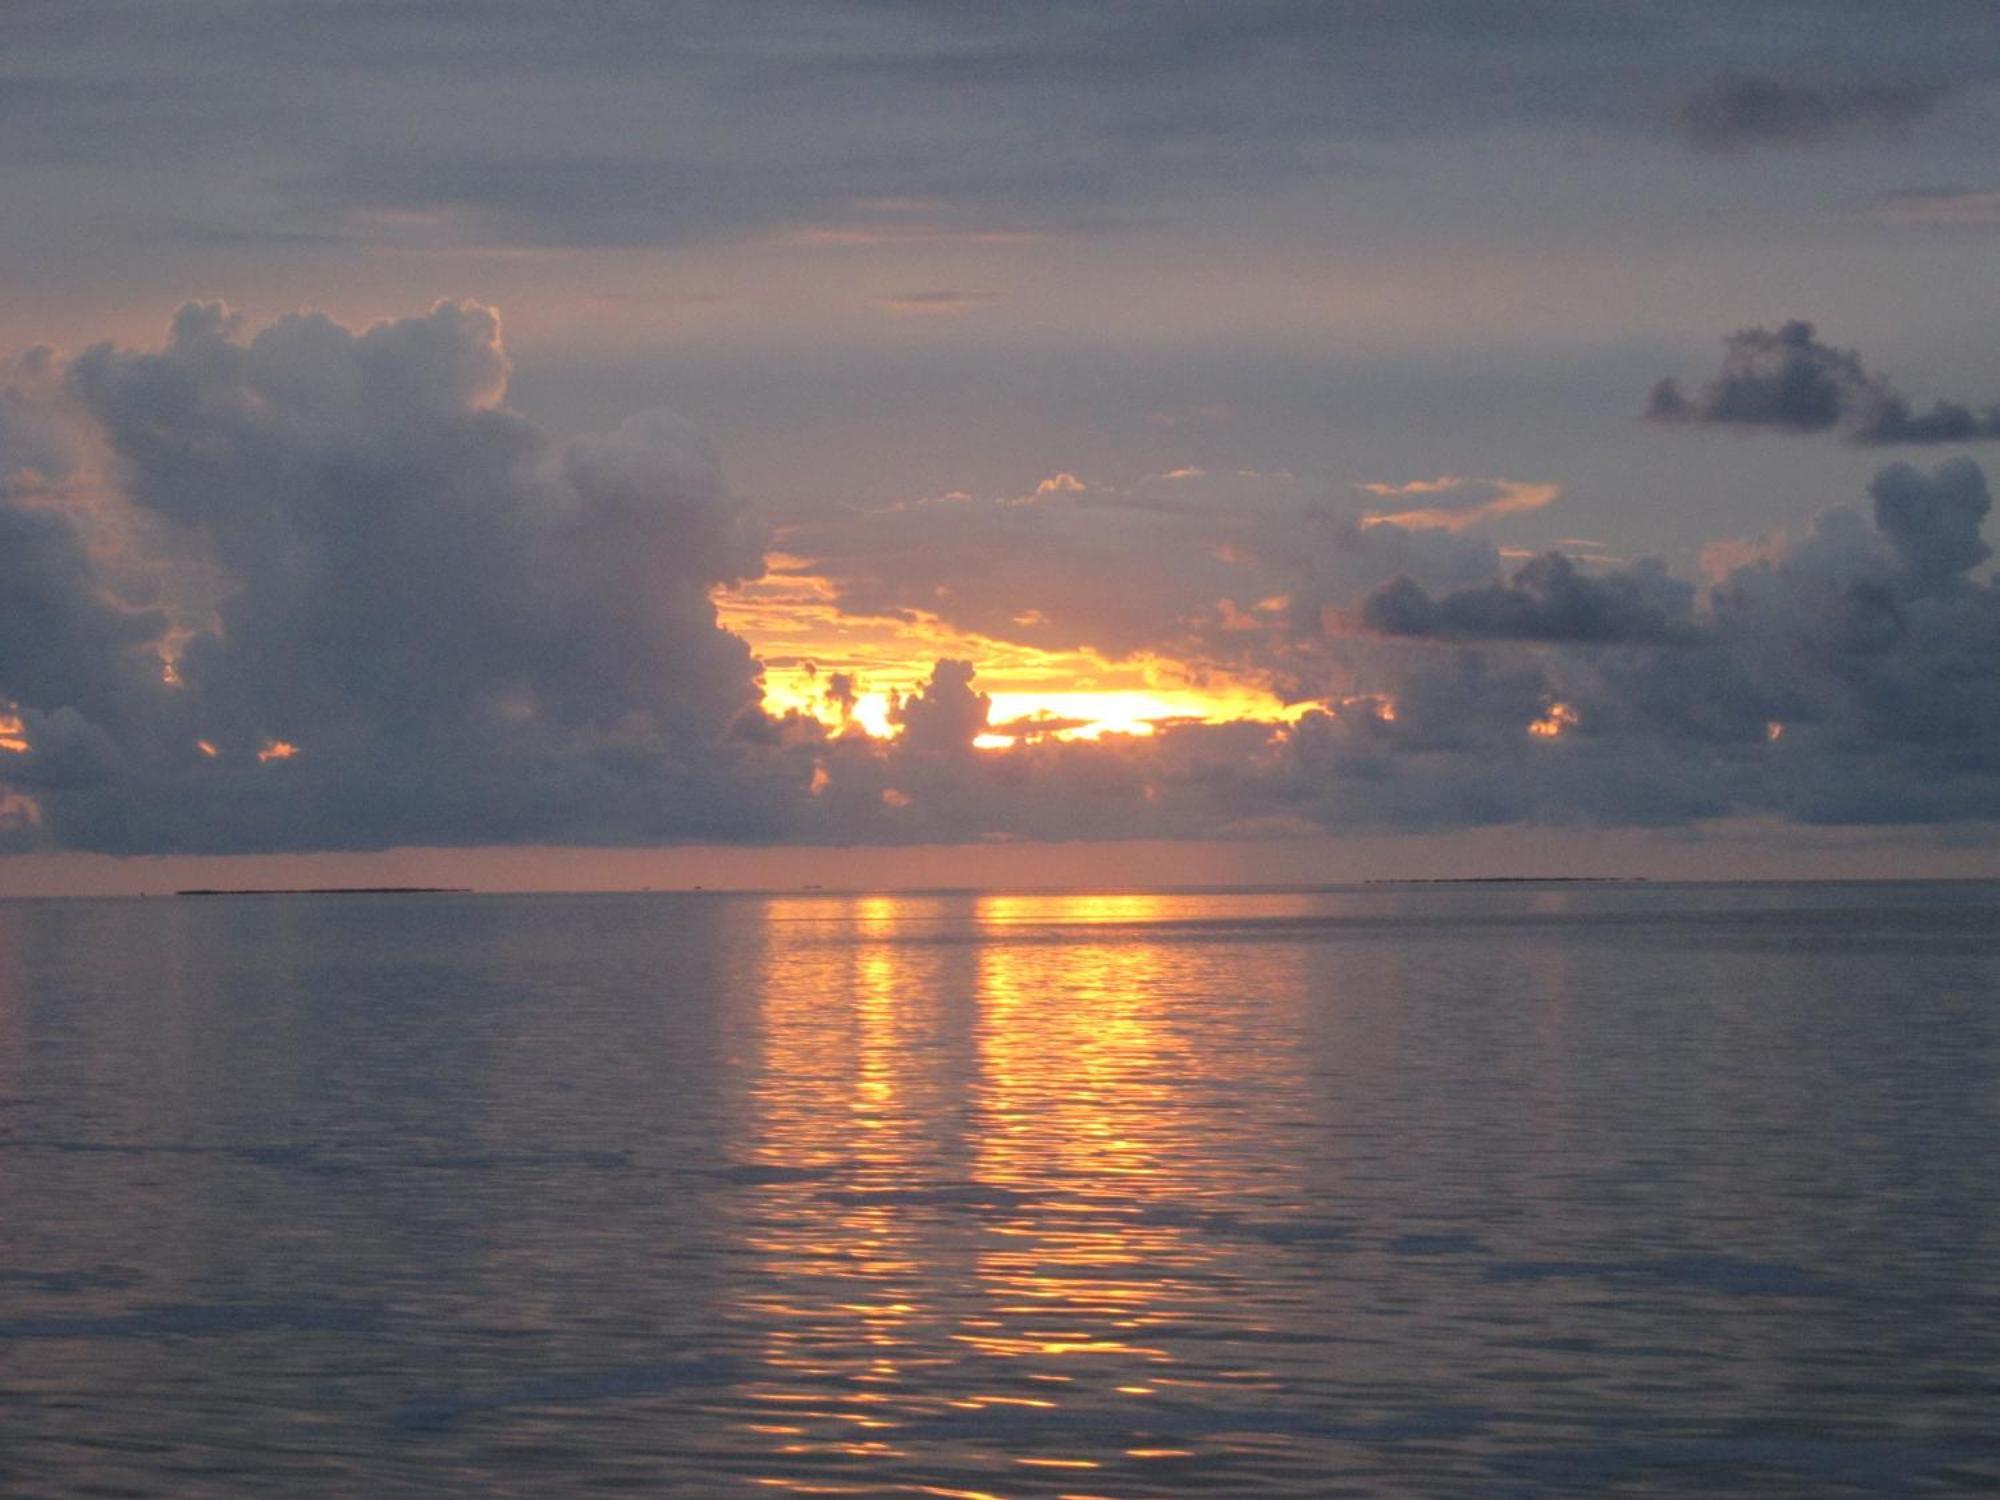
column 842, row 693
column 1547, row 599
column 1786, row 380
column 1849, row 673
column 62, row 642
column 1843, row 674
column 426, row 622
column 462, row 631
column 1743, row 110
column 1933, row 521
column 944, row 716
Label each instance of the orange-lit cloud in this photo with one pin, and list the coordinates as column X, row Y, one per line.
column 1552, row 725
column 848, row 671
column 1506, row 497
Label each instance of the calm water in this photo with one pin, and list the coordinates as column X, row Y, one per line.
column 1423, row 1191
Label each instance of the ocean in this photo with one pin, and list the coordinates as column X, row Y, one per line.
column 1518, row 1190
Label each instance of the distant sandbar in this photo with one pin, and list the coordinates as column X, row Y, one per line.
column 334, row 890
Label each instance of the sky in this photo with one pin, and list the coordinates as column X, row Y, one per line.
column 932, row 442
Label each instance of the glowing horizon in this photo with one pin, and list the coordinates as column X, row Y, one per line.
column 804, row 640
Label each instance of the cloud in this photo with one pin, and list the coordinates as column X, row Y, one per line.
column 618, row 124
column 1548, row 599
column 63, row 643
column 946, row 715
column 1840, row 673
column 465, row 631
column 1456, row 504
column 1933, row 521
column 1742, row 110
column 422, row 620
column 1174, row 563
column 1786, row 380
column 1846, row 673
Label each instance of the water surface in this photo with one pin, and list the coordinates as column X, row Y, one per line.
column 1516, row 1190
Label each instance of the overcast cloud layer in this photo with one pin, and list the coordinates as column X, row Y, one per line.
column 599, row 122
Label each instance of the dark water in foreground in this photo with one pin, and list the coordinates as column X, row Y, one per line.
column 1443, row 1191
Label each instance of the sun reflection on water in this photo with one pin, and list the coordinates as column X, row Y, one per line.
column 982, row 1169
column 1391, row 1192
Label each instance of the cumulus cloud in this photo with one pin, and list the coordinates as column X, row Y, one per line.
column 1844, row 672
column 467, row 631
column 1840, row 674
column 1547, row 599
column 1933, row 520
column 422, row 620
column 62, row 642
column 946, row 715
column 1742, row 110
column 1787, row 380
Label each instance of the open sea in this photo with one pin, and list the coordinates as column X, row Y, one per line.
column 1515, row 1190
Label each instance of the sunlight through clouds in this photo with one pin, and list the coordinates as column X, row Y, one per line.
column 849, row 670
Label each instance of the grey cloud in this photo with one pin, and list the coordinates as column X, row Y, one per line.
column 1548, row 599
column 1742, row 110
column 39, row 445
column 1933, row 521
column 842, row 692
column 577, row 198
column 943, row 718
column 1787, row 380
column 468, row 633
column 474, row 634
column 615, row 122
column 1843, row 674
column 61, row 640
column 1847, row 674
column 1127, row 568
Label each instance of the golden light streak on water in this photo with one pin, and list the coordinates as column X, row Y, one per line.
column 1396, row 1191
column 958, row 1152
